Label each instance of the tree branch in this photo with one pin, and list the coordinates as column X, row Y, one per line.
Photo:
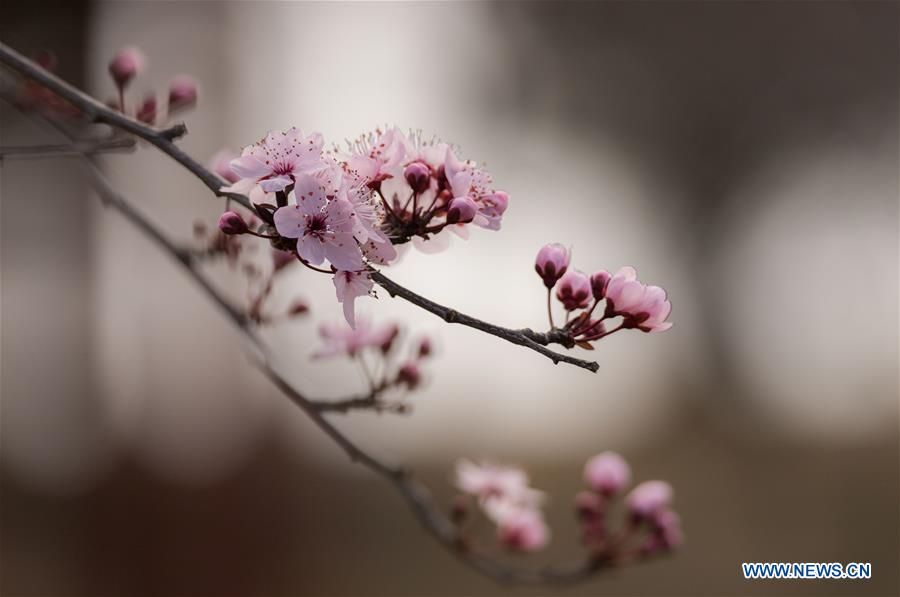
column 101, row 113
column 524, row 337
column 163, row 139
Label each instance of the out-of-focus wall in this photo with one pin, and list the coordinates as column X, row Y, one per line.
column 742, row 155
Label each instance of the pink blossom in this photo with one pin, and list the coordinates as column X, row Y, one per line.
column 494, row 481
column 424, row 349
column 418, row 176
column 648, row 498
column 375, row 157
column 588, row 504
column 641, row 306
column 523, row 529
column 607, row 473
column 461, row 210
column 409, row 375
column 232, row 223
column 348, row 286
column 668, row 528
column 599, row 282
column 465, row 180
column 574, row 290
column 551, row 263
column 182, row 92
column 341, row 340
column 126, row 64
column 220, row 163
column 147, row 111
column 274, row 162
column 323, row 228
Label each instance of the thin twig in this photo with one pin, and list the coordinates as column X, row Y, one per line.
column 163, row 139
column 100, row 112
column 536, row 341
column 61, row 150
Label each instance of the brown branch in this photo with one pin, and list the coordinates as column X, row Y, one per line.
column 525, row 337
column 101, row 113
column 60, row 150
column 163, row 139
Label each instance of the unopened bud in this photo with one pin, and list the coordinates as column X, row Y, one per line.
column 182, row 92
column 232, row 223
column 125, row 65
column 418, row 175
column 461, row 210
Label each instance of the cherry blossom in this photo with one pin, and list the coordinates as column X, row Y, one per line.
column 182, row 92
column 649, row 498
column 341, row 340
column 522, row 529
column 551, row 263
column 126, row 64
column 232, row 223
column 275, row 161
column 643, row 307
column 488, row 481
column 607, row 473
column 323, row 228
column 348, row 286
column 574, row 290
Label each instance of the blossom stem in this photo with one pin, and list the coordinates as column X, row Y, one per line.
column 549, row 308
column 314, row 268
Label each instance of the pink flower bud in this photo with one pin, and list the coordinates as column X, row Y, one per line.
column 418, row 175
column 607, row 473
column 599, row 281
column 125, row 65
column 668, row 528
column 551, row 263
column 147, row 111
column 298, row 307
column 386, row 336
column 574, row 290
column 182, row 92
column 461, row 210
column 648, row 498
column 232, row 223
column 523, row 530
column 409, row 375
column 588, row 504
column 425, row 349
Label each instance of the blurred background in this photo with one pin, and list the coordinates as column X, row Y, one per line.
column 742, row 155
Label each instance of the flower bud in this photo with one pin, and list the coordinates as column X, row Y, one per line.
column 298, row 307
column 182, row 92
column 607, row 473
column 551, row 263
column 232, row 223
column 574, row 290
column 524, row 530
column 418, row 175
column 599, row 282
column 390, row 333
column 461, row 210
column 125, row 65
column 588, row 504
column 425, row 349
column 147, row 111
column 668, row 528
column 649, row 498
column 410, row 375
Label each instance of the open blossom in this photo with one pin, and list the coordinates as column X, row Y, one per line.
column 574, row 290
column 551, row 263
column 341, row 340
column 220, row 163
column 641, row 306
column 489, row 481
column 522, row 529
column 323, row 228
column 274, row 162
column 607, row 473
column 348, row 286
column 648, row 498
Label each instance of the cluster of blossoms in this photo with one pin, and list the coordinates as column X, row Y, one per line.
column 638, row 305
column 382, row 362
column 127, row 64
column 350, row 209
column 651, row 526
column 505, row 497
